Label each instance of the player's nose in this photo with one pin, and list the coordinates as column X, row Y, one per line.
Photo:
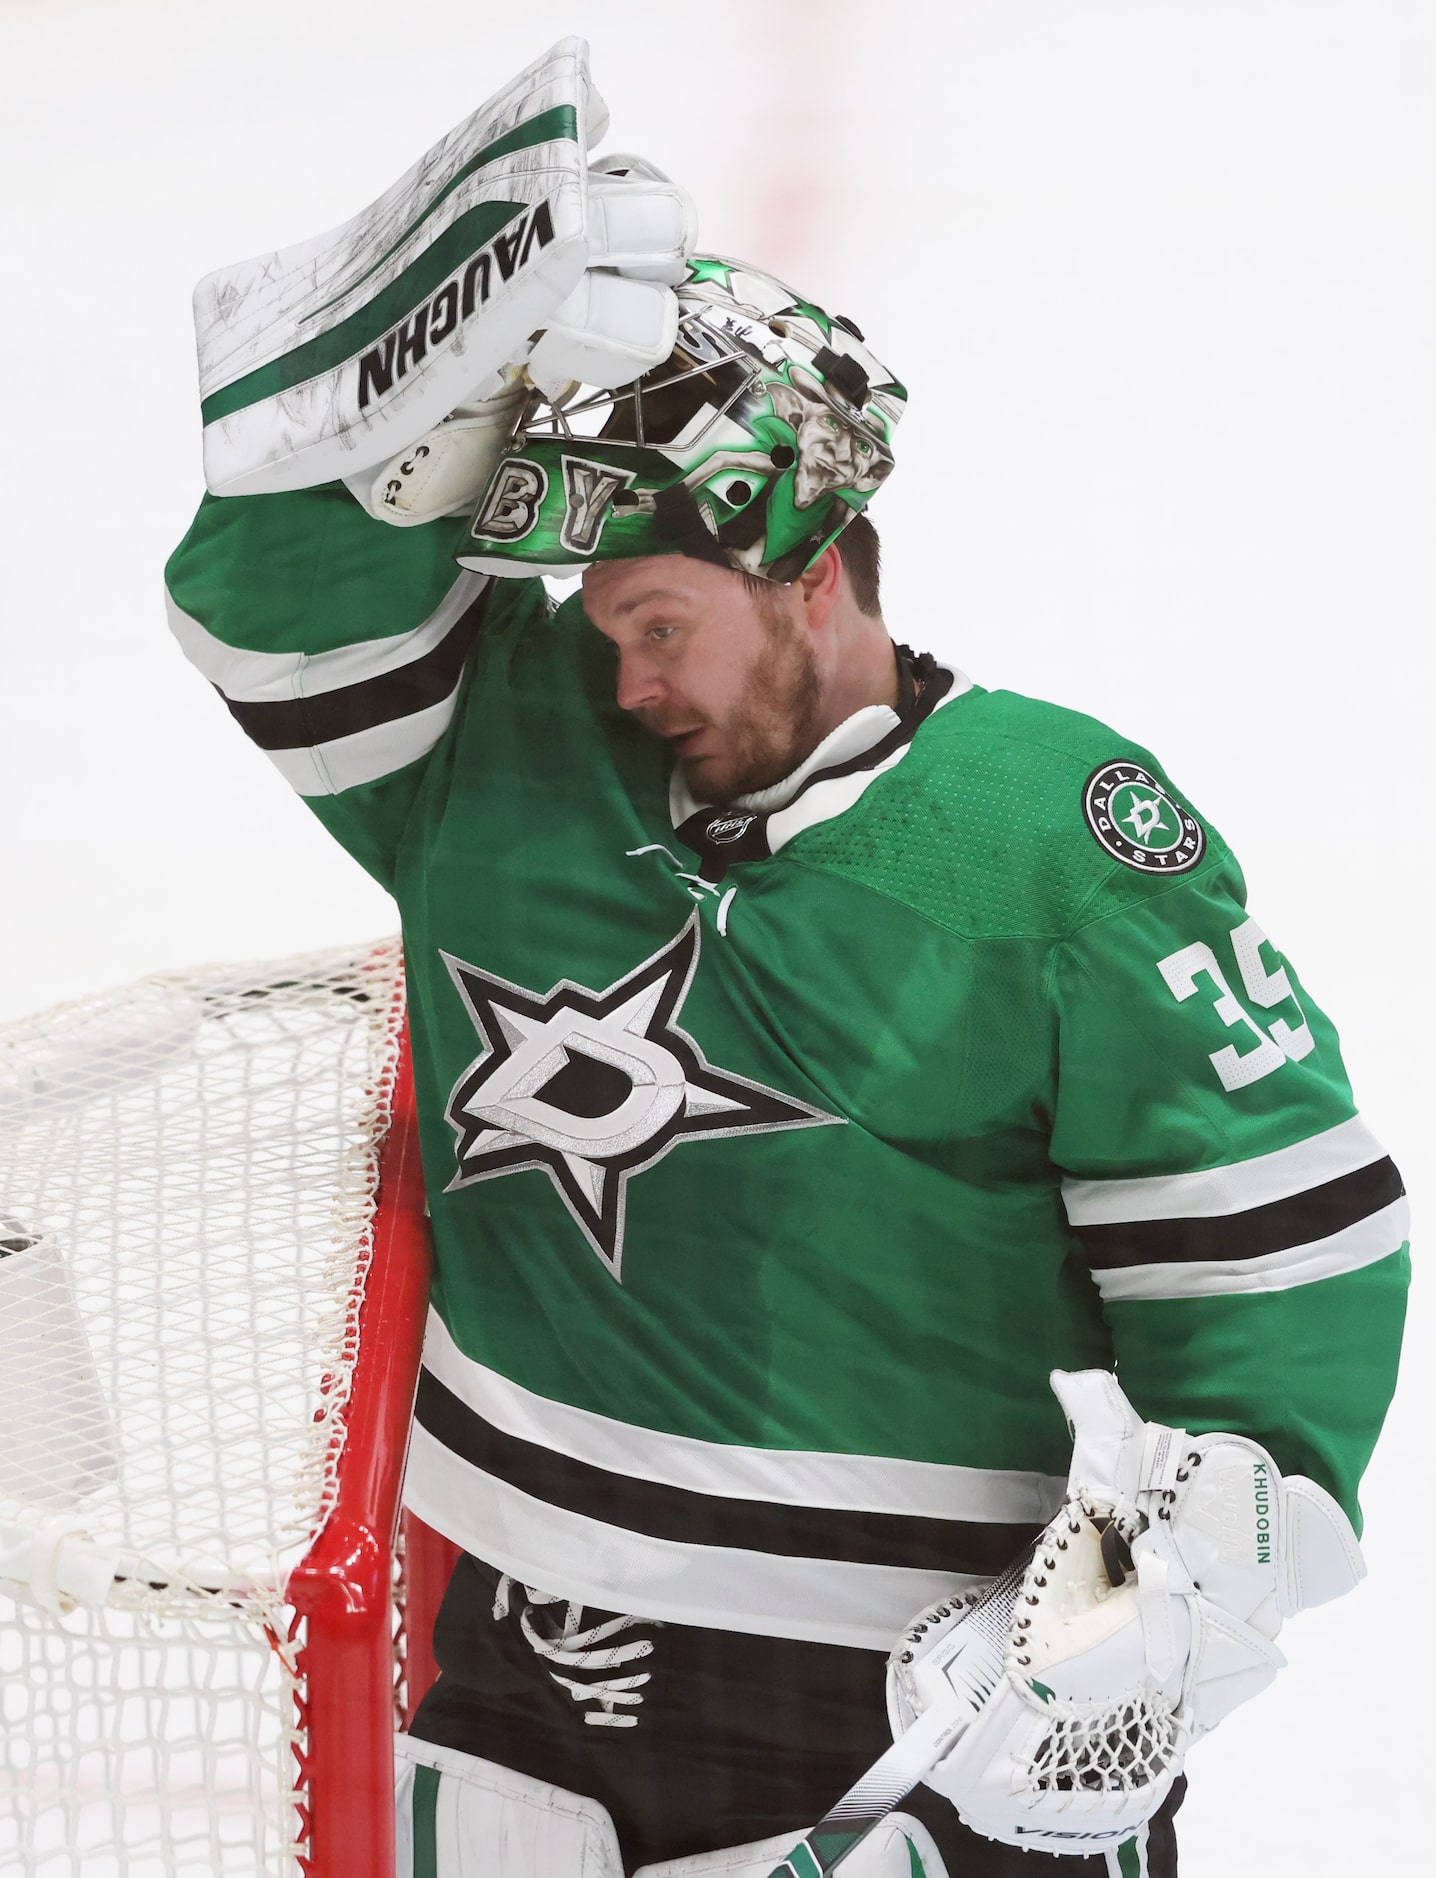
column 639, row 685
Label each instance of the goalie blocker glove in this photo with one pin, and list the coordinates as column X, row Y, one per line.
column 331, row 358
column 609, row 329
column 1147, row 1612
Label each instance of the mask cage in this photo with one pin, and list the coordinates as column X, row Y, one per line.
column 706, row 372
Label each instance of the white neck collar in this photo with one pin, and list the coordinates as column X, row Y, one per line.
column 855, row 734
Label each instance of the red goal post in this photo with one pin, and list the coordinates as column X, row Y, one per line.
column 343, row 1593
column 214, row 1267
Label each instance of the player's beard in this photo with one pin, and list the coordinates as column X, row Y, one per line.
column 771, row 728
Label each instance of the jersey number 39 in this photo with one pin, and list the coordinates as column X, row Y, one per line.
column 1276, row 1042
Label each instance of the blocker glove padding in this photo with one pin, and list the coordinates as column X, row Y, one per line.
column 1145, row 1614
column 333, row 357
column 605, row 333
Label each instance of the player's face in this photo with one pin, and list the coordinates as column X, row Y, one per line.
column 725, row 675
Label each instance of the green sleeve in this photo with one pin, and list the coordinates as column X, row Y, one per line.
column 340, row 644
column 1245, row 1231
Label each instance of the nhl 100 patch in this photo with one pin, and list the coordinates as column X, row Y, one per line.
column 1137, row 822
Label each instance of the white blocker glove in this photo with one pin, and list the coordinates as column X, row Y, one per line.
column 620, row 320
column 334, row 358
column 1146, row 1613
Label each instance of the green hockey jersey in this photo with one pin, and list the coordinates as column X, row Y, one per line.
column 766, row 1194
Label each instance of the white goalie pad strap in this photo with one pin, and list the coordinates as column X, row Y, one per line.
column 324, row 359
column 897, row 1847
column 457, row 1815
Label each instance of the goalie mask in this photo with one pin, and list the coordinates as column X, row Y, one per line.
column 753, row 445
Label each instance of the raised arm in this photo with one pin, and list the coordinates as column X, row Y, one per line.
column 339, row 646
column 398, row 352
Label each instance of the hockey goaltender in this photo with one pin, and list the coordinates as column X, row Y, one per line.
column 872, row 1151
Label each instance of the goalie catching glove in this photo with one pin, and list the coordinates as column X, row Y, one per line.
column 499, row 248
column 1145, row 1614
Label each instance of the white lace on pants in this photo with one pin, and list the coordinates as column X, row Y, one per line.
column 578, row 1648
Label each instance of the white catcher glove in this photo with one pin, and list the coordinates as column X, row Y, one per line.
column 334, row 356
column 1145, row 1614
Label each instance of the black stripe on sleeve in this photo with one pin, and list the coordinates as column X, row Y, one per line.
column 690, row 1518
column 300, row 723
column 1300, row 1220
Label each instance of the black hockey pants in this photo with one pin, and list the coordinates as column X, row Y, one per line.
column 735, row 1737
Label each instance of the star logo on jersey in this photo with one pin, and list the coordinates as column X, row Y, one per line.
column 594, row 1087
column 1133, row 817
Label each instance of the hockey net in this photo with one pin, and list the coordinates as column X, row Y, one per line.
column 213, row 1268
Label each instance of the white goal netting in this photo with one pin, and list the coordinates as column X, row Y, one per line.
column 188, row 1170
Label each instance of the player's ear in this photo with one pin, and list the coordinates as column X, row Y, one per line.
column 819, row 586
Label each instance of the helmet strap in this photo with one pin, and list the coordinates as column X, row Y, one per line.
column 676, row 519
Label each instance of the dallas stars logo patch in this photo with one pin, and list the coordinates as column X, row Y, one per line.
column 593, row 1087
column 1138, row 823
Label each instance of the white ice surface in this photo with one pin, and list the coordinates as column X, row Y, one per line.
column 1162, row 282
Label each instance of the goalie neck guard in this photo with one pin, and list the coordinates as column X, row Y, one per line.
column 753, row 445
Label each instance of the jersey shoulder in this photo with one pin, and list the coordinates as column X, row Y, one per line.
column 1011, row 816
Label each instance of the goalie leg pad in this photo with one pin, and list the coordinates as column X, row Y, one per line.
column 898, row 1847
column 466, row 1817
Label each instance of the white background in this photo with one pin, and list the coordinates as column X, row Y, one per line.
column 1159, row 275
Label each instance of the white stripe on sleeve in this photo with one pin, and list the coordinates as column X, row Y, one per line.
column 1235, row 1188
column 1367, row 1242
column 330, row 768
column 276, row 677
